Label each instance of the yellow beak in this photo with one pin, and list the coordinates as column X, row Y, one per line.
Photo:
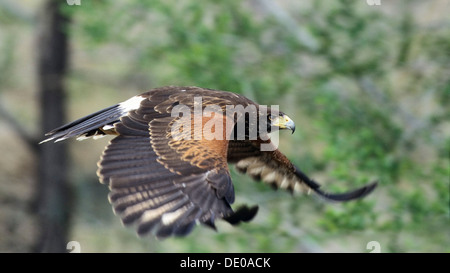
column 284, row 122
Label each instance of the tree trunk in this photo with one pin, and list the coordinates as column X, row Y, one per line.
column 52, row 194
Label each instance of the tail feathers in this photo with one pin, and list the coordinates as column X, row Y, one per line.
column 87, row 126
column 338, row 197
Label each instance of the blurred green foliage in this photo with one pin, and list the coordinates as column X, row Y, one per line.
column 368, row 87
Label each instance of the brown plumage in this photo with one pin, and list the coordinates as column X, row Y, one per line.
column 165, row 178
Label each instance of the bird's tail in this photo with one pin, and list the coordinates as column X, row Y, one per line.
column 97, row 124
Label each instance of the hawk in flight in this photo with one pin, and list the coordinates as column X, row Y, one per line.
column 166, row 172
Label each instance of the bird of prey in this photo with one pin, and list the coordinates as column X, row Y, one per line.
column 166, row 172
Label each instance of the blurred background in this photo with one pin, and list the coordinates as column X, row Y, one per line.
column 367, row 85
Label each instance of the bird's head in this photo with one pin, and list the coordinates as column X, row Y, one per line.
column 280, row 121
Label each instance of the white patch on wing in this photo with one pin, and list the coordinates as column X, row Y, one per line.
column 131, row 104
column 58, row 140
column 170, row 217
column 98, row 136
column 300, row 188
column 108, row 127
column 284, row 184
column 150, row 214
column 269, row 177
column 245, row 163
column 80, row 138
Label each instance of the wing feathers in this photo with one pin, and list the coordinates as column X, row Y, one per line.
column 156, row 199
column 186, row 224
column 276, row 170
column 129, row 130
column 91, row 125
column 172, row 219
column 121, row 202
column 86, row 124
column 149, row 215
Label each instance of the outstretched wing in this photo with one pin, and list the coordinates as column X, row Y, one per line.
column 165, row 184
column 274, row 168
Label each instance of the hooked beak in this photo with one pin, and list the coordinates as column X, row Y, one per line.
column 284, row 122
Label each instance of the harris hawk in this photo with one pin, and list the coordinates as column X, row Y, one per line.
column 166, row 172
